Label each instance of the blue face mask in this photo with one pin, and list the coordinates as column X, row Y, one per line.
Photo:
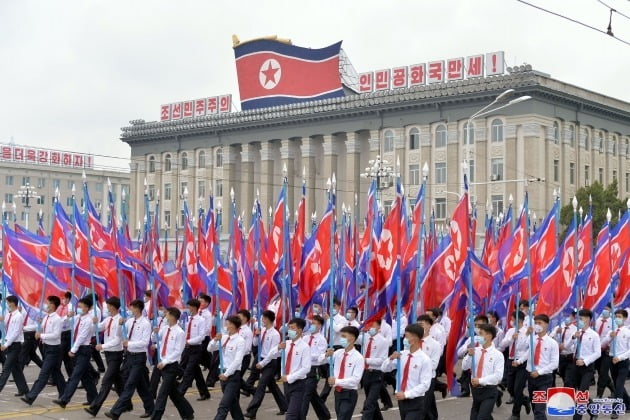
column 335, row 312
column 292, row 334
column 296, row 314
column 161, row 314
column 79, row 311
column 348, row 316
column 605, row 314
column 580, row 324
column 372, row 332
column 45, row 307
column 480, row 340
column 406, row 344
column 567, row 321
column 343, row 342
column 312, row 329
column 619, row 322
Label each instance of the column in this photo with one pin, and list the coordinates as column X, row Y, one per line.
column 287, row 155
column 353, row 172
column 266, row 176
column 309, row 154
column 249, row 153
column 331, row 152
column 230, row 160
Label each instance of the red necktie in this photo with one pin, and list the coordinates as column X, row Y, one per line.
column 564, row 333
column 421, row 343
column 131, row 332
column 480, row 366
column 369, row 351
column 403, row 385
column 76, row 328
column 601, row 328
column 188, row 329
column 287, row 365
column 537, row 351
column 512, row 350
column 263, row 338
column 46, row 322
column 310, row 340
column 165, row 342
column 226, row 341
column 109, row 325
column 26, row 319
column 342, row 371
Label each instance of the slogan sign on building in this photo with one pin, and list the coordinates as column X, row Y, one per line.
column 421, row 74
column 212, row 105
column 35, row 156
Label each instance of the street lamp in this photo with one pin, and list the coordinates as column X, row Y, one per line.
column 380, row 170
column 27, row 193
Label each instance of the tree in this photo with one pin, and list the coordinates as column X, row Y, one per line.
column 603, row 199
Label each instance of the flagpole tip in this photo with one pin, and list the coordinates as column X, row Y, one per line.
column 575, row 203
column 608, row 215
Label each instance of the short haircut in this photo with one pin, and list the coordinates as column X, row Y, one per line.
column 54, row 300
column 379, row 321
column 137, row 303
column 542, row 317
column 622, row 312
column 204, row 297
column 523, row 302
column 354, row 309
column 114, row 301
column 482, row 318
column 425, row 318
column 147, row 293
column 86, row 301
column 246, row 314
column 521, row 315
column 351, row 330
column 234, row 320
column 586, row 312
column 490, row 329
column 194, row 303
column 298, row 322
column 493, row 314
column 415, row 329
column 336, row 302
column 174, row 312
column 67, row 295
column 270, row 315
column 435, row 312
column 318, row 319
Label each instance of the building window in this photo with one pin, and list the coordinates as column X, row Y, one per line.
column 182, row 218
column 440, row 173
column 441, row 136
column 8, row 180
column 556, row 132
column 497, row 204
column 469, row 134
column 8, row 198
column 201, row 160
column 587, row 139
column 41, row 182
column 70, row 184
column 56, row 184
column 601, row 176
column 626, row 149
column 587, row 175
column 497, row 169
column 218, row 188
column 387, row 206
column 627, row 182
column 414, row 139
column 151, row 192
column 556, row 170
column 183, row 186
column 23, row 216
column 201, row 188
column 41, row 200
column 471, row 170
column 219, row 158
column 388, row 141
column 184, row 161
column 99, row 187
column 167, row 163
column 167, row 218
column 440, row 208
column 151, row 164
column 26, row 180
column 414, row 174
column 571, row 136
column 601, row 143
column 614, row 146
column 497, row 131
column 571, row 173
column 168, row 190
column 614, row 175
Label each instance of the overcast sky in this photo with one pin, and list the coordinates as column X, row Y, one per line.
column 72, row 73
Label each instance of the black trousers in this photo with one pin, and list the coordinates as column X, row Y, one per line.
column 411, row 409
column 603, row 374
column 96, row 355
column 13, row 367
column 247, row 359
column 230, row 399
column 464, row 382
column 517, row 380
column 345, row 402
column 267, row 380
column 620, row 373
column 81, row 372
column 372, row 384
column 580, row 377
column 112, row 377
column 213, row 370
column 154, row 382
column 327, row 388
column 168, row 389
column 51, row 367
column 564, row 361
column 484, row 398
column 541, row 383
column 66, row 340
column 29, row 350
column 137, row 379
column 294, row 394
column 311, row 397
column 191, row 360
column 430, row 405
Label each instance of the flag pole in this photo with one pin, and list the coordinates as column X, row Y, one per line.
column 398, row 280
column 471, row 314
column 4, row 260
column 90, row 256
column 215, row 261
column 611, row 287
column 46, row 269
column 285, row 260
column 528, row 273
column 331, row 277
column 257, row 239
column 152, row 272
column 419, row 258
column 73, row 269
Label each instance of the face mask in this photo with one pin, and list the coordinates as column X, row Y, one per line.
column 348, row 316
column 312, row 329
column 476, row 331
column 296, row 314
column 316, row 311
column 567, row 321
column 292, row 334
column 512, row 323
column 619, row 322
column 538, row 329
column 343, row 342
column 130, row 313
column 335, row 312
column 580, row 324
column 372, row 332
column 605, row 314
column 480, row 340
column 161, row 314
column 45, row 307
column 79, row 311
column 406, row 344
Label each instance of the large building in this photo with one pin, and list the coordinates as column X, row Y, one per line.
column 38, row 173
column 564, row 137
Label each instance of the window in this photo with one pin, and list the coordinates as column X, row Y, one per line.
column 201, row 160
column 614, row 146
column 497, row 204
column 556, row 170
column 626, row 149
column 99, row 187
column 556, row 132
column 69, row 201
column 614, row 175
column 440, row 173
column 70, row 184
column 571, row 173
column 627, row 182
column 8, row 198
column 440, row 136
column 587, row 139
column 497, row 131
column 41, row 200
column 414, row 139
column 218, row 188
column 167, row 163
column 168, row 190
column 571, row 135
column 182, row 218
column 219, row 158
column 151, row 192
column 151, row 164
column 414, row 174
column 440, row 208
column 388, row 143
column 600, row 146
column 23, row 216
column 387, row 206
column 167, row 218
column 469, row 134
column 497, row 169
column 587, row 175
column 26, row 180
column 8, row 180
column 41, row 182
column 182, row 188
column 471, row 170
column 201, row 188
column 56, row 184
column 601, row 176
column 184, row 161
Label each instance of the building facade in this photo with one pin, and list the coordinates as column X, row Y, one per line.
column 563, row 138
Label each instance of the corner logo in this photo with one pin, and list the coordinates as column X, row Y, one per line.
column 562, row 401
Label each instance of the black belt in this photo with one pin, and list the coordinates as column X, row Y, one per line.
column 566, row 356
column 136, row 354
column 84, row 346
column 374, row 370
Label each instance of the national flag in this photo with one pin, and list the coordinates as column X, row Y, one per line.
column 599, row 280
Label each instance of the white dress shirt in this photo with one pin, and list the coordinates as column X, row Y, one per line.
column 379, row 347
column 622, row 344
column 138, row 334
column 353, row 370
column 499, row 337
column 83, row 331
column 549, row 355
column 420, row 372
column 463, row 349
column 30, row 325
column 445, row 322
column 519, row 351
column 247, row 334
column 195, row 330
column 172, row 344
column 492, row 369
column 403, row 324
column 270, row 338
column 62, row 311
column 112, row 333
column 386, row 331
column 206, row 314
column 438, row 334
column 318, row 344
column 339, row 321
column 51, row 329
column 300, row 359
column 564, row 336
column 233, row 352
column 589, row 346
column 605, row 326
column 432, row 348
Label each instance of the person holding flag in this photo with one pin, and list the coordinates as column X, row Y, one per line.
column 620, row 356
column 375, row 353
column 195, row 334
column 517, row 341
column 603, row 327
column 564, row 337
column 348, row 367
column 432, row 349
column 319, row 368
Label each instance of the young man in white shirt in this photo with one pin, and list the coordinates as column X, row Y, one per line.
column 50, row 335
column 193, row 353
column 564, row 336
column 416, row 371
column 66, row 312
column 375, row 351
column 338, row 321
column 517, row 343
column 431, row 348
column 233, row 348
column 465, row 377
column 620, row 353
column 487, row 373
column 603, row 326
column 246, row 332
column 349, row 365
column 170, row 350
column 319, row 367
column 542, row 360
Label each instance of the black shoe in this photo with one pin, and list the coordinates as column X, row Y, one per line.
column 50, row 383
column 101, row 370
column 464, row 395
column 111, row 415
column 528, row 406
column 204, row 397
column 245, row 393
column 249, row 416
column 444, row 393
column 27, row 400
column 145, row 415
column 60, row 403
column 19, row 394
column 91, row 411
column 85, row 404
column 129, row 408
column 280, row 413
column 387, row 407
column 510, row 401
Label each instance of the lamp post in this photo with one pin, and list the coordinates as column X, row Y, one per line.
column 379, row 169
column 27, row 193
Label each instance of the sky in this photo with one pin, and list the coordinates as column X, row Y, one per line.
column 72, row 73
